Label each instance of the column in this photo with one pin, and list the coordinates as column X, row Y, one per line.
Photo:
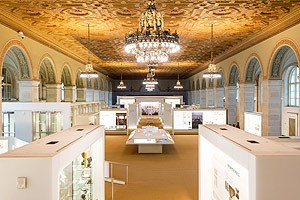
column 89, row 95
column 203, row 98
column 81, row 94
column 271, row 107
column 29, row 91
column 70, row 93
column 198, row 97
column 246, row 101
column 96, row 95
column 231, row 104
column 53, row 92
column 219, row 97
column 210, row 97
column 102, row 97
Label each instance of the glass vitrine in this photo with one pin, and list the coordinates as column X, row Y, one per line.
column 77, row 179
column 8, row 124
column 46, row 123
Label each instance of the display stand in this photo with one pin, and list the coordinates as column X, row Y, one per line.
column 149, row 139
column 234, row 164
column 65, row 165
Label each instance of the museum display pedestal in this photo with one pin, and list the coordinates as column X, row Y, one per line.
column 234, row 164
column 65, row 165
column 149, row 139
column 150, row 148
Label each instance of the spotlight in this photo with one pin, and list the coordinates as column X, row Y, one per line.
column 21, row 34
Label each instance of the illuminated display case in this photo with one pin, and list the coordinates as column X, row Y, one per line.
column 68, row 165
column 234, row 164
column 113, row 119
column 187, row 119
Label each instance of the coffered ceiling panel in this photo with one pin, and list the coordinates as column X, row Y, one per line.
column 64, row 23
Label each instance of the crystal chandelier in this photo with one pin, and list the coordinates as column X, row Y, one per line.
column 178, row 84
column 212, row 68
column 89, row 71
column 150, row 80
column 122, row 84
column 151, row 44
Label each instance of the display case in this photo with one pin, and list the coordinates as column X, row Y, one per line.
column 114, row 119
column 68, row 165
column 234, row 164
column 187, row 119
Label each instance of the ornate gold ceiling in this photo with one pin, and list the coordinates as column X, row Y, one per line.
column 64, row 23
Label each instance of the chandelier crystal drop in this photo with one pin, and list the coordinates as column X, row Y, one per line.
column 212, row 68
column 89, row 71
column 150, row 42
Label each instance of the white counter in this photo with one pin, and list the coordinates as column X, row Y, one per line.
column 37, row 166
column 234, row 164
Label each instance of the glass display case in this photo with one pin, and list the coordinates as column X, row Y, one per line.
column 46, row 123
column 8, row 124
column 76, row 181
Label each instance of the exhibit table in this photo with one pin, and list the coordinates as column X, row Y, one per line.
column 149, row 139
column 234, row 164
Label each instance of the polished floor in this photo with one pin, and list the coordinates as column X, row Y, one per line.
column 172, row 175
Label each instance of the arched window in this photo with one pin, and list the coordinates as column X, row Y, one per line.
column 294, row 87
column 8, row 92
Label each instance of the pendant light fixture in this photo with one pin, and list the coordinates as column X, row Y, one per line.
column 178, row 84
column 212, row 68
column 151, row 43
column 122, row 84
column 89, row 71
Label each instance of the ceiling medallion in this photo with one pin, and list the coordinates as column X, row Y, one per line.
column 151, row 43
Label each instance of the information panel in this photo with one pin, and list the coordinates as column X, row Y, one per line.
column 224, row 178
column 113, row 119
column 253, row 123
column 190, row 119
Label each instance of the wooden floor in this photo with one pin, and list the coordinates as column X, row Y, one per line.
column 172, row 175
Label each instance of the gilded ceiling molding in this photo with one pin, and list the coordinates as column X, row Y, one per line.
column 17, row 43
column 249, row 67
column 274, row 71
column 290, row 20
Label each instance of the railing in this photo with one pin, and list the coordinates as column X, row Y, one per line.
column 110, row 177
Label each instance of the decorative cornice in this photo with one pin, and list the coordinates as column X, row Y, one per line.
column 286, row 22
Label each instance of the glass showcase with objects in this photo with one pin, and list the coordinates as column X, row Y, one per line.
column 76, row 179
column 70, row 166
